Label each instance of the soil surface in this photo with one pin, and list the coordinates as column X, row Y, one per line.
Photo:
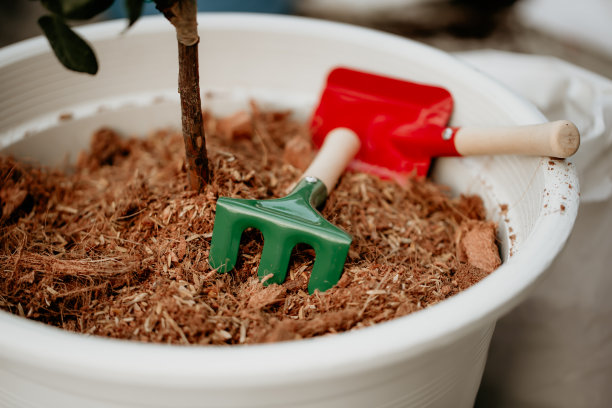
column 119, row 246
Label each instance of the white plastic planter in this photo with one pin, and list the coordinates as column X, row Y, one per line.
column 434, row 357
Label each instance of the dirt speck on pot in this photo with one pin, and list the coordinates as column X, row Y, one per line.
column 119, row 247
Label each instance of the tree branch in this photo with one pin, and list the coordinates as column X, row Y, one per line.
column 182, row 14
column 191, row 112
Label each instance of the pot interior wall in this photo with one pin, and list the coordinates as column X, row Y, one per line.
column 48, row 114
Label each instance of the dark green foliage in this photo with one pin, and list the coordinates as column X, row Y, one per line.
column 77, row 9
column 71, row 50
column 134, row 9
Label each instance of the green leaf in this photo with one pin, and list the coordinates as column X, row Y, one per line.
column 71, row 50
column 77, row 9
column 134, row 9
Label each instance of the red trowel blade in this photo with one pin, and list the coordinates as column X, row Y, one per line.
column 376, row 108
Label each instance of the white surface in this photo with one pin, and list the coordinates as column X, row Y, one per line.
column 562, row 91
column 584, row 23
column 554, row 350
column 433, row 357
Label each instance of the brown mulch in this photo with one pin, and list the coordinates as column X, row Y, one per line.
column 119, row 246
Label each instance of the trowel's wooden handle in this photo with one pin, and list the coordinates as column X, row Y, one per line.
column 338, row 149
column 557, row 139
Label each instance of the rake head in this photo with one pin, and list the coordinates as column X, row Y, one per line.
column 284, row 223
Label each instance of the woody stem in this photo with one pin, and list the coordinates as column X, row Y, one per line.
column 191, row 117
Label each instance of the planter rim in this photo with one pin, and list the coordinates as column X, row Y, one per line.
column 130, row 362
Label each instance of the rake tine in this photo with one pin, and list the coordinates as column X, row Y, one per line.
column 290, row 220
column 226, row 237
column 273, row 261
column 328, row 265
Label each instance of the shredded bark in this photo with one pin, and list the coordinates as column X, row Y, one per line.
column 119, row 247
column 478, row 245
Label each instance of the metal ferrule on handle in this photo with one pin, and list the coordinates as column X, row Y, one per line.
column 556, row 139
column 287, row 221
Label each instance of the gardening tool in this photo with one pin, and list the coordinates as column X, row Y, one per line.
column 403, row 124
column 290, row 220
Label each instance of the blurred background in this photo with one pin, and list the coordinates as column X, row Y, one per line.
column 577, row 31
column 555, row 350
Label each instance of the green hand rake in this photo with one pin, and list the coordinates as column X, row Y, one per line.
column 288, row 221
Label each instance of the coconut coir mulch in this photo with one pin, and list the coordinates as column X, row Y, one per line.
column 119, row 247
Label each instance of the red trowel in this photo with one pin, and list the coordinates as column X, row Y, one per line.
column 403, row 124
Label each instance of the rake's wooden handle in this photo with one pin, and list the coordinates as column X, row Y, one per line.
column 338, row 149
column 557, row 139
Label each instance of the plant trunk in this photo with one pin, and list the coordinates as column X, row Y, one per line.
column 182, row 14
column 191, row 116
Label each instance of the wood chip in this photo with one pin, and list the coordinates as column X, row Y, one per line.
column 119, row 247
